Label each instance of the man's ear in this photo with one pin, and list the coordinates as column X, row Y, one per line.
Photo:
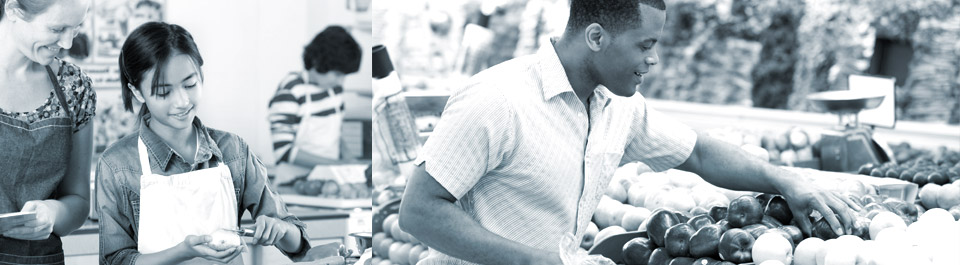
column 595, row 36
column 136, row 93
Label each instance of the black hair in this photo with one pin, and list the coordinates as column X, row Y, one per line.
column 151, row 4
column 148, row 3
column 613, row 15
column 150, row 46
column 332, row 49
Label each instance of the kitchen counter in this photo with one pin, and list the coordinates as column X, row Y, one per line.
column 323, row 226
column 303, row 213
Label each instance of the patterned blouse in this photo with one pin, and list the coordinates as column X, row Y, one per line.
column 77, row 91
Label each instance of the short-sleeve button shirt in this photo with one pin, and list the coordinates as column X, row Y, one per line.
column 516, row 148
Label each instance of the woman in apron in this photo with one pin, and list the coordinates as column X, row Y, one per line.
column 166, row 188
column 45, row 139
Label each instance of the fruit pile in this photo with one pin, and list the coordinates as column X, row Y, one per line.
column 331, row 189
column 396, row 247
column 904, row 153
column 782, row 147
column 385, row 194
column 944, row 197
column 692, row 223
column 939, row 169
column 791, row 146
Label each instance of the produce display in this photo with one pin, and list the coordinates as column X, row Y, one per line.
column 386, row 194
column 918, row 166
column 788, row 147
column 688, row 221
column 393, row 246
column 793, row 145
column 937, row 174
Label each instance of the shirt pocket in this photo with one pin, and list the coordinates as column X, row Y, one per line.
column 134, row 199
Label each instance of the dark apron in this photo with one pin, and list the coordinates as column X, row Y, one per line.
column 33, row 160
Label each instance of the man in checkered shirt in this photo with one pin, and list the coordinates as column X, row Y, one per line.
column 523, row 152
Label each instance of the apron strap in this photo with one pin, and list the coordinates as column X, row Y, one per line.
column 333, row 92
column 309, row 101
column 58, row 90
column 144, row 158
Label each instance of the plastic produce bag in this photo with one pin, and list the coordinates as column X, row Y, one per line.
column 572, row 254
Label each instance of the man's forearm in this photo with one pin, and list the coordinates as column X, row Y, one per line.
column 730, row 167
column 443, row 226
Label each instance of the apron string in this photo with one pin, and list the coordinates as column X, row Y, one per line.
column 58, row 90
column 306, row 80
column 336, row 109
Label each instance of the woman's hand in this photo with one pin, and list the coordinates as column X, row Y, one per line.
column 271, row 230
column 39, row 228
column 195, row 246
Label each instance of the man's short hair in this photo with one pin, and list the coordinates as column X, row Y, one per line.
column 332, row 49
column 150, row 4
column 613, row 15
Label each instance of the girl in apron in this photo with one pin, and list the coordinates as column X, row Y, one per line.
column 45, row 142
column 164, row 190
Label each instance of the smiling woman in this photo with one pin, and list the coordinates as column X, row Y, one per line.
column 45, row 105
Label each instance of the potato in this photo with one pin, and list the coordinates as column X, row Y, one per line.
column 223, row 240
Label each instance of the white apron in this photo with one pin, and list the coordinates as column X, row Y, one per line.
column 193, row 203
column 320, row 135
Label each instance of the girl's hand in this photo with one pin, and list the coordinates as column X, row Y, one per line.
column 270, row 230
column 195, row 246
column 39, row 228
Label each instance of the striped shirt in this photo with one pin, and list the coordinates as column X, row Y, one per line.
column 516, row 149
column 285, row 110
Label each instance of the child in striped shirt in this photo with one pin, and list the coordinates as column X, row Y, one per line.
column 306, row 113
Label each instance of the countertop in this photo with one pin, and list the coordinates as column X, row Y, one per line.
column 303, row 213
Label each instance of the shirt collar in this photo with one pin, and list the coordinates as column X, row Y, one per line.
column 602, row 95
column 164, row 154
column 305, row 76
column 554, row 80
